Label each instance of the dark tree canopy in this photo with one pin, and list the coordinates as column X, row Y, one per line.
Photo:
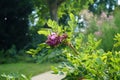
column 14, row 22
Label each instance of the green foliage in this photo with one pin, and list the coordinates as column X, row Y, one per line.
column 42, row 52
column 10, row 54
column 92, row 27
column 13, row 55
column 117, row 39
column 42, row 10
column 35, row 38
column 73, row 6
column 54, row 28
column 83, row 57
column 108, row 31
column 84, row 60
column 35, row 51
column 54, row 25
column 46, row 9
column 117, row 20
column 44, row 32
column 91, row 63
column 14, row 76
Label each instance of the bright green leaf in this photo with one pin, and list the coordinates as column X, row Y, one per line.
column 45, row 32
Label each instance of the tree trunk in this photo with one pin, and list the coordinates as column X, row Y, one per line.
column 53, row 11
column 53, row 8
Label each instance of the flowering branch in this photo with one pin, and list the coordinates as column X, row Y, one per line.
column 71, row 46
column 54, row 39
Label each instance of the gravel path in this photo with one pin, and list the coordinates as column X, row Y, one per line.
column 48, row 76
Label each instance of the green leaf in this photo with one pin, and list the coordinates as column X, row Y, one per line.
column 49, row 23
column 24, row 77
column 41, row 45
column 54, row 25
column 54, row 69
column 72, row 17
column 59, row 29
column 31, row 51
column 45, row 32
column 99, row 61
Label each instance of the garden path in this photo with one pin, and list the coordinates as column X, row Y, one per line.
column 48, row 76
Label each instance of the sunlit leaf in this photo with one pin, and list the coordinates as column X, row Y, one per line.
column 45, row 32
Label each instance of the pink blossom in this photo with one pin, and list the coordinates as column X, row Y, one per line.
column 54, row 39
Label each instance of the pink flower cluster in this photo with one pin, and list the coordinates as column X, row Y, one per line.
column 55, row 39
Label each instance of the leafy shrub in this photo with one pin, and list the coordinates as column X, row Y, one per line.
column 15, row 76
column 9, row 54
column 13, row 55
column 83, row 57
column 117, row 39
column 90, row 63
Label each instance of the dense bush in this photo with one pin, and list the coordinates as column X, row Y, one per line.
column 12, row 55
column 83, row 58
column 90, row 63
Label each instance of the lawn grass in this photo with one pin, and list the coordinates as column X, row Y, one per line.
column 25, row 68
